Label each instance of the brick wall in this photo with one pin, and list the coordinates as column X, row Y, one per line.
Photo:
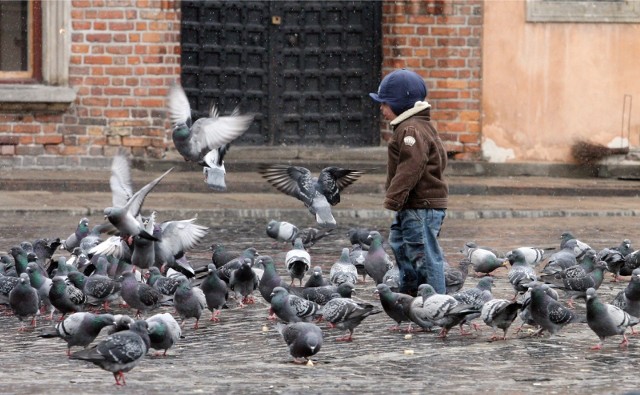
column 441, row 41
column 124, row 56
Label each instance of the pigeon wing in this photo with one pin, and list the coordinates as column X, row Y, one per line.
column 120, row 180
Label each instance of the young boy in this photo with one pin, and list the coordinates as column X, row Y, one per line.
column 415, row 187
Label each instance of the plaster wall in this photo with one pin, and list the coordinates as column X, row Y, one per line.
column 546, row 85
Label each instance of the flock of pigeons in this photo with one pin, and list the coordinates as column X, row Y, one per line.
column 142, row 263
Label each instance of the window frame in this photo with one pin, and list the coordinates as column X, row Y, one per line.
column 33, row 73
column 583, row 11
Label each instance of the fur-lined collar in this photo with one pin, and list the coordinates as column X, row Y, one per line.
column 418, row 107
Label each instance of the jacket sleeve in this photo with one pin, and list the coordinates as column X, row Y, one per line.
column 412, row 159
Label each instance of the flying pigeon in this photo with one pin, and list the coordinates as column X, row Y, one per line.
column 607, row 320
column 628, row 299
column 317, row 194
column 139, row 296
column 206, row 140
column 343, row 270
column 345, row 313
column 173, row 239
column 304, row 339
column 120, row 352
column 455, row 277
column 395, row 305
column 215, row 292
column 310, row 236
column 549, row 314
column 297, row 261
column 243, row 282
column 164, row 332
column 315, row 278
column 24, row 301
column 500, row 313
column 78, row 329
column 377, row 262
column 282, row 230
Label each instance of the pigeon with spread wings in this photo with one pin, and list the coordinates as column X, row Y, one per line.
column 317, row 193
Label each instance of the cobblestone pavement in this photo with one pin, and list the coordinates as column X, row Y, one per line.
column 244, row 354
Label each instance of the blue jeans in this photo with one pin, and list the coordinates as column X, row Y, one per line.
column 414, row 241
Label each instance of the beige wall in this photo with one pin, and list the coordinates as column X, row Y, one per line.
column 545, row 85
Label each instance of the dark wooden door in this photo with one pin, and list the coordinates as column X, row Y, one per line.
column 304, row 67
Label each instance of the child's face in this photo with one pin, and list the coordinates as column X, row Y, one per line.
column 387, row 113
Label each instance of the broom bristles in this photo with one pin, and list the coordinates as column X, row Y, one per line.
column 588, row 153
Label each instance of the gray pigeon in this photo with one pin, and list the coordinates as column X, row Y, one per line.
column 315, row 278
column 189, row 302
column 577, row 286
column 631, row 262
column 97, row 288
column 224, row 272
column 243, row 282
column 78, row 329
column 215, row 292
column 206, row 140
column 220, row 254
column 270, row 278
column 395, row 305
column 476, row 297
column 525, row 309
column 532, row 255
column 66, row 298
column 297, row 261
column 392, row 278
column 500, row 313
column 628, row 299
column 122, row 322
column 166, row 285
column 343, row 270
column 73, row 240
column 357, row 256
column 164, row 332
column 7, row 283
column 485, row 261
column 42, row 284
column 345, row 313
column 586, row 266
column 443, row 310
column 562, row 259
column 310, row 236
column 579, row 248
column 120, row 352
column 615, row 257
column 607, row 320
column 282, row 231
column 377, row 262
column 304, row 339
column 174, row 238
column 317, row 194
column 418, row 315
column 321, row 295
column 549, row 314
column 292, row 308
column 521, row 274
column 24, row 301
column 455, row 278
column 139, row 296
column 359, row 237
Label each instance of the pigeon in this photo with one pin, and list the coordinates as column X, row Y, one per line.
column 206, row 140
column 418, row 315
column 607, row 320
column 357, row 256
column 532, row 255
column 343, row 270
column 292, row 308
column 78, row 329
column 345, row 313
column 455, row 277
column 19, row 258
column 175, row 237
column 562, row 259
column 476, row 297
column 377, row 262
column 97, row 288
column 120, row 352
column 316, row 279
column 215, row 291
column 310, row 236
column 122, row 322
column 360, row 237
column 577, row 286
column 221, row 255
column 42, row 284
column 304, row 339
column 525, row 301
column 317, row 194
column 392, row 278
column 321, row 295
column 549, row 314
column 243, row 281
column 166, row 285
column 615, row 257
column 580, row 247
column 297, row 261
column 628, row 299
column 73, row 240
column 631, row 262
column 521, row 273
column 189, row 302
column 124, row 215
column 586, row 266
column 443, row 310
column 139, row 296
column 500, row 313
column 44, row 250
column 66, row 298
column 485, row 261
column 24, row 301
column 282, row 231
column 270, row 278
column 224, row 272
column 164, row 332
column 395, row 305
column 7, row 283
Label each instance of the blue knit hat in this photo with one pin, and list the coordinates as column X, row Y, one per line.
column 400, row 89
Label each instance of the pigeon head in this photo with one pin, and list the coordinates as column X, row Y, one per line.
column 426, row 290
column 279, row 291
column 485, row 283
column 635, row 275
column 346, row 289
column 24, row 279
column 591, row 293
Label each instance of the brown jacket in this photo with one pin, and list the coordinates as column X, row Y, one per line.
column 416, row 162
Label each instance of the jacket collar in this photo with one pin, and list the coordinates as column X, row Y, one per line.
column 417, row 108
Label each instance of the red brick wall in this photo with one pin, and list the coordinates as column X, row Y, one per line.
column 441, row 41
column 124, row 56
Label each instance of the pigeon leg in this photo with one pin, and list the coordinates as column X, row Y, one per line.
column 69, row 351
column 33, row 322
column 331, row 325
column 443, row 333
column 409, row 328
column 494, row 336
column 196, row 325
column 504, row 336
column 625, row 341
column 119, row 376
column 570, row 303
column 597, row 346
column 462, row 331
column 476, row 327
column 394, row 328
column 214, row 316
column 346, row 338
column 633, row 332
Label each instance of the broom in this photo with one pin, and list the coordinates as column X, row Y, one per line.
column 587, row 153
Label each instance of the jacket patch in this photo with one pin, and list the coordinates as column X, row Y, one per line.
column 409, row 140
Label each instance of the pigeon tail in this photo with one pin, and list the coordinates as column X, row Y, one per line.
column 214, row 177
column 322, row 209
column 145, row 235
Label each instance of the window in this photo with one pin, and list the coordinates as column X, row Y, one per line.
column 600, row 11
column 20, row 41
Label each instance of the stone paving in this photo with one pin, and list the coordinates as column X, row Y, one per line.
column 244, row 354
